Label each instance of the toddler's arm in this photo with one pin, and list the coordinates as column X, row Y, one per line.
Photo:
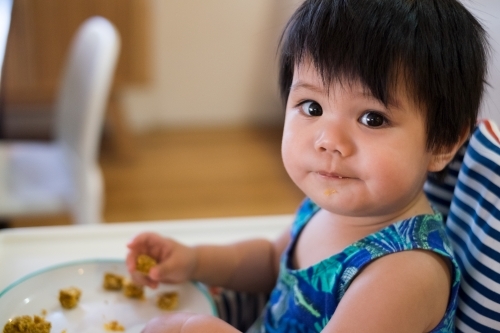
column 402, row 292
column 246, row 266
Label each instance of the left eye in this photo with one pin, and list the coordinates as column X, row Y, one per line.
column 312, row 109
column 373, row 119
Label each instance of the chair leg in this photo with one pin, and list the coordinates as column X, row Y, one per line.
column 4, row 224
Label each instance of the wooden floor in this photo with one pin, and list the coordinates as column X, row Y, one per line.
column 194, row 173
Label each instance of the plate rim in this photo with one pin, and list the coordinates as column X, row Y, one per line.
column 198, row 285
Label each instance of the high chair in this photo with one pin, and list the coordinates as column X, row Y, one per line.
column 39, row 178
column 470, row 196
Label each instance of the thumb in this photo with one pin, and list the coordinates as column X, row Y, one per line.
column 154, row 273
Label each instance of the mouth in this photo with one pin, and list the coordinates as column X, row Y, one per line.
column 331, row 175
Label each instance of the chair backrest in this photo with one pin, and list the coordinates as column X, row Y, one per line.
column 473, row 225
column 84, row 88
column 5, row 16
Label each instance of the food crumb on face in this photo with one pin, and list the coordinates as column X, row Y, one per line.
column 114, row 326
column 330, row 191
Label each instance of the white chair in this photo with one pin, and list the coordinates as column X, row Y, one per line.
column 38, row 178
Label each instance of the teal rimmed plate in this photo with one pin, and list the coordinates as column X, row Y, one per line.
column 38, row 293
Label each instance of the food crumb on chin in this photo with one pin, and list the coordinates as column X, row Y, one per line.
column 330, row 191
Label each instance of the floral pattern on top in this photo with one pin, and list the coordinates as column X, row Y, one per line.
column 304, row 300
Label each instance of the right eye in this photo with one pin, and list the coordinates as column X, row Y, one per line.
column 312, row 109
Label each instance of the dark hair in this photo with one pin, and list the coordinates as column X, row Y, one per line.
column 436, row 46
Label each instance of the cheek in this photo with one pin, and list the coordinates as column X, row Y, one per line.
column 293, row 153
column 288, row 142
column 287, row 152
column 399, row 171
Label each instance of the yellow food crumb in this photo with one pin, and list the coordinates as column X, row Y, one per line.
column 27, row 324
column 144, row 263
column 132, row 290
column 69, row 297
column 114, row 326
column 112, row 281
column 168, row 300
column 330, row 191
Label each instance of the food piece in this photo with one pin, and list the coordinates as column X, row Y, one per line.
column 144, row 263
column 69, row 297
column 114, row 326
column 132, row 290
column 330, row 191
column 112, row 281
column 168, row 300
column 27, row 324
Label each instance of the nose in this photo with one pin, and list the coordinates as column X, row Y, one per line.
column 335, row 139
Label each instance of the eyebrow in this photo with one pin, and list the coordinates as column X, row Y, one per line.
column 304, row 85
column 393, row 101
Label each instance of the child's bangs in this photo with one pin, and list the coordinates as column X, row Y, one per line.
column 349, row 46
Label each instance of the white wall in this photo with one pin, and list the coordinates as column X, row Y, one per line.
column 214, row 64
column 488, row 13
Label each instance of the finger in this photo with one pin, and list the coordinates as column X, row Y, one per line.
column 130, row 261
column 167, row 272
column 152, row 284
column 154, row 273
column 140, row 278
column 143, row 241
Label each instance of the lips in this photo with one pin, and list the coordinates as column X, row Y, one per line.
column 332, row 175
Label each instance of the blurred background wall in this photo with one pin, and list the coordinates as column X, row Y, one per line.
column 488, row 13
column 214, row 63
column 183, row 63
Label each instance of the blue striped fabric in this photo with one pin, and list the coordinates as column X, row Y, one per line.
column 474, row 227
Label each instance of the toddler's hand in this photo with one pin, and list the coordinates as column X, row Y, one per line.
column 175, row 262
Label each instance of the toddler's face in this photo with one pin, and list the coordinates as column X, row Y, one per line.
column 348, row 152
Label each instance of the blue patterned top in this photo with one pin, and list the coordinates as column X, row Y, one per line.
column 304, row 300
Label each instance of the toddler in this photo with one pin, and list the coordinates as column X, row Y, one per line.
column 378, row 93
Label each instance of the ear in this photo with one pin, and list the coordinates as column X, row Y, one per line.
column 440, row 159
